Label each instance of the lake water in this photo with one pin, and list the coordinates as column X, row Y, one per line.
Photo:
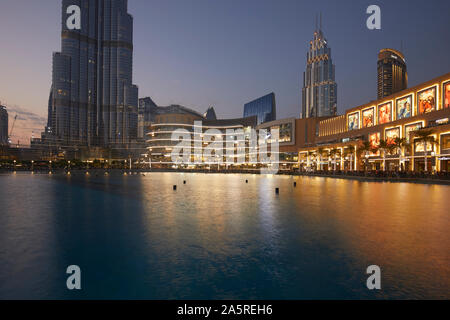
column 218, row 237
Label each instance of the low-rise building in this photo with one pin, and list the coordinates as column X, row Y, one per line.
column 293, row 135
column 200, row 132
column 379, row 135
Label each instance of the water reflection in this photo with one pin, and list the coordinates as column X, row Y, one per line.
column 219, row 237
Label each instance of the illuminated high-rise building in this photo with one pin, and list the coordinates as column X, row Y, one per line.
column 392, row 74
column 319, row 93
column 93, row 100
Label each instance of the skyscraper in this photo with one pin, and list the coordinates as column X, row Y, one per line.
column 319, row 93
column 147, row 111
column 392, row 74
column 92, row 99
column 264, row 108
column 3, row 125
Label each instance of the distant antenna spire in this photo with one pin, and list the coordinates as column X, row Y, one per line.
column 320, row 21
column 316, row 22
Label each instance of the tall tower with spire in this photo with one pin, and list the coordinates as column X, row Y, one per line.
column 93, row 101
column 319, row 92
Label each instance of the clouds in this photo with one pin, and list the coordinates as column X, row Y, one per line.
column 27, row 125
column 26, row 115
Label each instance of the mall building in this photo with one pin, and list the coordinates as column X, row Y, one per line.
column 339, row 139
column 199, row 129
column 333, row 143
column 160, row 143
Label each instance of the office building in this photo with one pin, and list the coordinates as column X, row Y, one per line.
column 3, row 125
column 319, row 92
column 93, row 101
column 392, row 74
column 264, row 108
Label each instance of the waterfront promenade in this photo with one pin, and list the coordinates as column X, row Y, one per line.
column 375, row 176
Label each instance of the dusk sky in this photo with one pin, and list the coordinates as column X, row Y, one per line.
column 225, row 53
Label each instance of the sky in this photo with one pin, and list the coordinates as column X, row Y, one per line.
column 224, row 53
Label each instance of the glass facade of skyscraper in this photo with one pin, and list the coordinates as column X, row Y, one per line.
column 92, row 99
column 264, row 108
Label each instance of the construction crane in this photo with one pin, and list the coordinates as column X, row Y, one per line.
column 12, row 128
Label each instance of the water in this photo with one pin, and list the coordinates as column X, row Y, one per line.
column 218, row 237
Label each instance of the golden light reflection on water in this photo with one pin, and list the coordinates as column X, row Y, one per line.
column 401, row 227
column 307, row 241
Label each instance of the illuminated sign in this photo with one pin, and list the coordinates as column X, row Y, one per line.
column 353, row 121
column 368, row 117
column 412, row 127
column 442, row 121
column 426, row 100
column 446, row 95
column 385, row 112
column 404, row 107
column 391, row 134
column 374, row 140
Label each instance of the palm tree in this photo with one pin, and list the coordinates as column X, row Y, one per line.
column 320, row 151
column 349, row 152
column 310, row 154
column 326, row 153
column 400, row 143
column 333, row 154
column 391, row 148
column 337, row 154
column 425, row 137
column 408, row 149
column 364, row 149
column 384, row 146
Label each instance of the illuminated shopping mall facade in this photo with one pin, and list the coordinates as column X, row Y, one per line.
column 334, row 143
column 339, row 139
column 201, row 132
